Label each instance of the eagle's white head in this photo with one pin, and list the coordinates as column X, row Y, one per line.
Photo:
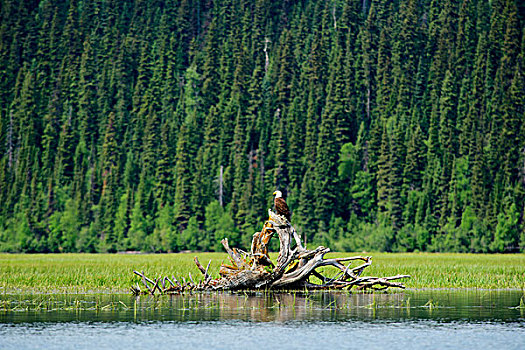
column 278, row 194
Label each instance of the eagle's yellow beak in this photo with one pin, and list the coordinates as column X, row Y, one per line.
column 274, row 193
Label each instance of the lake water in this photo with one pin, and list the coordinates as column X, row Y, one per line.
column 434, row 319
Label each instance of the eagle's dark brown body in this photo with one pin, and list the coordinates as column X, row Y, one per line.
column 282, row 208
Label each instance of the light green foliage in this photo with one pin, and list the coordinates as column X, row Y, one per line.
column 506, row 230
column 165, row 236
column 137, row 229
column 122, row 221
column 23, row 234
column 69, row 221
column 191, row 235
column 411, row 238
column 369, row 236
column 219, row 224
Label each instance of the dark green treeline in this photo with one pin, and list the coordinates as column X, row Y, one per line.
column 166, row 125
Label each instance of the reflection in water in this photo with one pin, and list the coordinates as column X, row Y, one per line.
column 445, row 306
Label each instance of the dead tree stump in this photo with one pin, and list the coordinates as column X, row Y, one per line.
column 294, row 268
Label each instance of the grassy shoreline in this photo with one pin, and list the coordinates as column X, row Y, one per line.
column 95, row 273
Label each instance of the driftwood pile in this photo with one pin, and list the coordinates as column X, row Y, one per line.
column 293, row 270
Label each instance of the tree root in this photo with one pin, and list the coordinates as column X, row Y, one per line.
column 293, row 270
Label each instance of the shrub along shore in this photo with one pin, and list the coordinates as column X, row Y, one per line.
column 94, row 273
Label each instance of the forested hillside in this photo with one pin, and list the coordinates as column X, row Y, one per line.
column 166, row 125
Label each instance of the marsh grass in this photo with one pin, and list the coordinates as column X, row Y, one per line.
column 90, row 273
column 447, row 270
column 80, row 273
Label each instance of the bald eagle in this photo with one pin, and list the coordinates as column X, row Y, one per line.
column 280, row 205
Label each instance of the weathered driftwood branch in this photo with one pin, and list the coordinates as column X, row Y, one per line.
column 294, row 269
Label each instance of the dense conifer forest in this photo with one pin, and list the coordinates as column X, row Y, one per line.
column 395, row 125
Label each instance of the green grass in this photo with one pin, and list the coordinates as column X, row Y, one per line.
column 81, row 273
column 448, row 270
column 94, row 272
